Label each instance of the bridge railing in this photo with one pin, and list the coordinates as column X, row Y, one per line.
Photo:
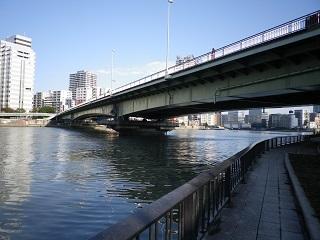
column 282, row 30
column 190, row 210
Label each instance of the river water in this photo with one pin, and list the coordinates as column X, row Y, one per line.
column 67, row 184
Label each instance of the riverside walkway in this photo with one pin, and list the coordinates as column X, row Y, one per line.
column 264, row 207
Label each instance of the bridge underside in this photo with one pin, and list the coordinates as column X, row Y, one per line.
column 283, row 72
column 285, row 75
column 292, row 99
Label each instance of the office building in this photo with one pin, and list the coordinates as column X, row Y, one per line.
column 283, row 121
column 255, row 116
column 303, row 117
column 17, row 70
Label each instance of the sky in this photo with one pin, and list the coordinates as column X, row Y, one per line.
column 72, row 35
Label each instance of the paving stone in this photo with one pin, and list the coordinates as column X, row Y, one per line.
column 291, row 236
column 287, row 205
column 285, row 187
column 291, row 226
column 270, row 206
column 288, row 214
column 271, row 219
column 271, row 199
column 265, row 237
column 248, row 235
column 286, row 198
column 269, row 229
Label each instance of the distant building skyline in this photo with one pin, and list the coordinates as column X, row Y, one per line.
column 60, row 100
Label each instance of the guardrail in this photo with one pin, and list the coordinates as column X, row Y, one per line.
column 190, row 210
column 282, row 30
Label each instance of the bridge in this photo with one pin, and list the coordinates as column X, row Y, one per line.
column 277, row 67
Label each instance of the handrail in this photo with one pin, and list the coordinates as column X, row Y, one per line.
column 189, row 211
column 282, row 30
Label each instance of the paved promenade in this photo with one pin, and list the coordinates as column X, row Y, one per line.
column 264, row 207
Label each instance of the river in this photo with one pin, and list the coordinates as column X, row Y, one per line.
column 71, row 184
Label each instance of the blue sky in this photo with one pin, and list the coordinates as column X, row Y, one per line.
column 70, row 35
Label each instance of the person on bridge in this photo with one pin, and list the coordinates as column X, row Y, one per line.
column 213, row 52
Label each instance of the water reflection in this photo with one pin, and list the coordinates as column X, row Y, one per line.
column 15, row 177
column 64, row 184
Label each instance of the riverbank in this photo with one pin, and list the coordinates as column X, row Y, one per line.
column 24, row 122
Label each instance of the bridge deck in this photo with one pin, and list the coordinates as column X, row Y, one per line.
column 264, row 208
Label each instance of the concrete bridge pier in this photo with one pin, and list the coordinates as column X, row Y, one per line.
column 128, row 126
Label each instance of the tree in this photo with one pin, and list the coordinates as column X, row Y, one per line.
column 46, row 109
column 20, row 110
column 7, row 110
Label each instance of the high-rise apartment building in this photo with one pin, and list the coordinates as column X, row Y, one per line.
column 81, row 79
column 17, row 68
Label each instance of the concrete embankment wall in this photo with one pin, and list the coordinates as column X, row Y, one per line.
column 23, row 122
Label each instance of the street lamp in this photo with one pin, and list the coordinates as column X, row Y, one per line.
column 168, row 34
column 112, row 59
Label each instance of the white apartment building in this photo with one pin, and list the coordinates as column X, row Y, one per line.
column 60, row 100
column 17, row 70
column 81, row 79
column 84, row 94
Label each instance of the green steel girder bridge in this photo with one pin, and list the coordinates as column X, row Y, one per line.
column 277, row 67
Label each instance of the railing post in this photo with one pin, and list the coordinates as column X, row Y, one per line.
column 190, row 231
column 243, row 169
column 228, row 185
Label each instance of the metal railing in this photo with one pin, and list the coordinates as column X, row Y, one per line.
column 190, row 210
column 282, row 30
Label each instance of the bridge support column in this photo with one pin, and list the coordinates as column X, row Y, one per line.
column 125, row 126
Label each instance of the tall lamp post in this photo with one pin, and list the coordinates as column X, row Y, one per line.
column 168, row 34
column 112, row 60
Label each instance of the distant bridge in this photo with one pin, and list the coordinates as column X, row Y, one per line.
column 277, row 67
